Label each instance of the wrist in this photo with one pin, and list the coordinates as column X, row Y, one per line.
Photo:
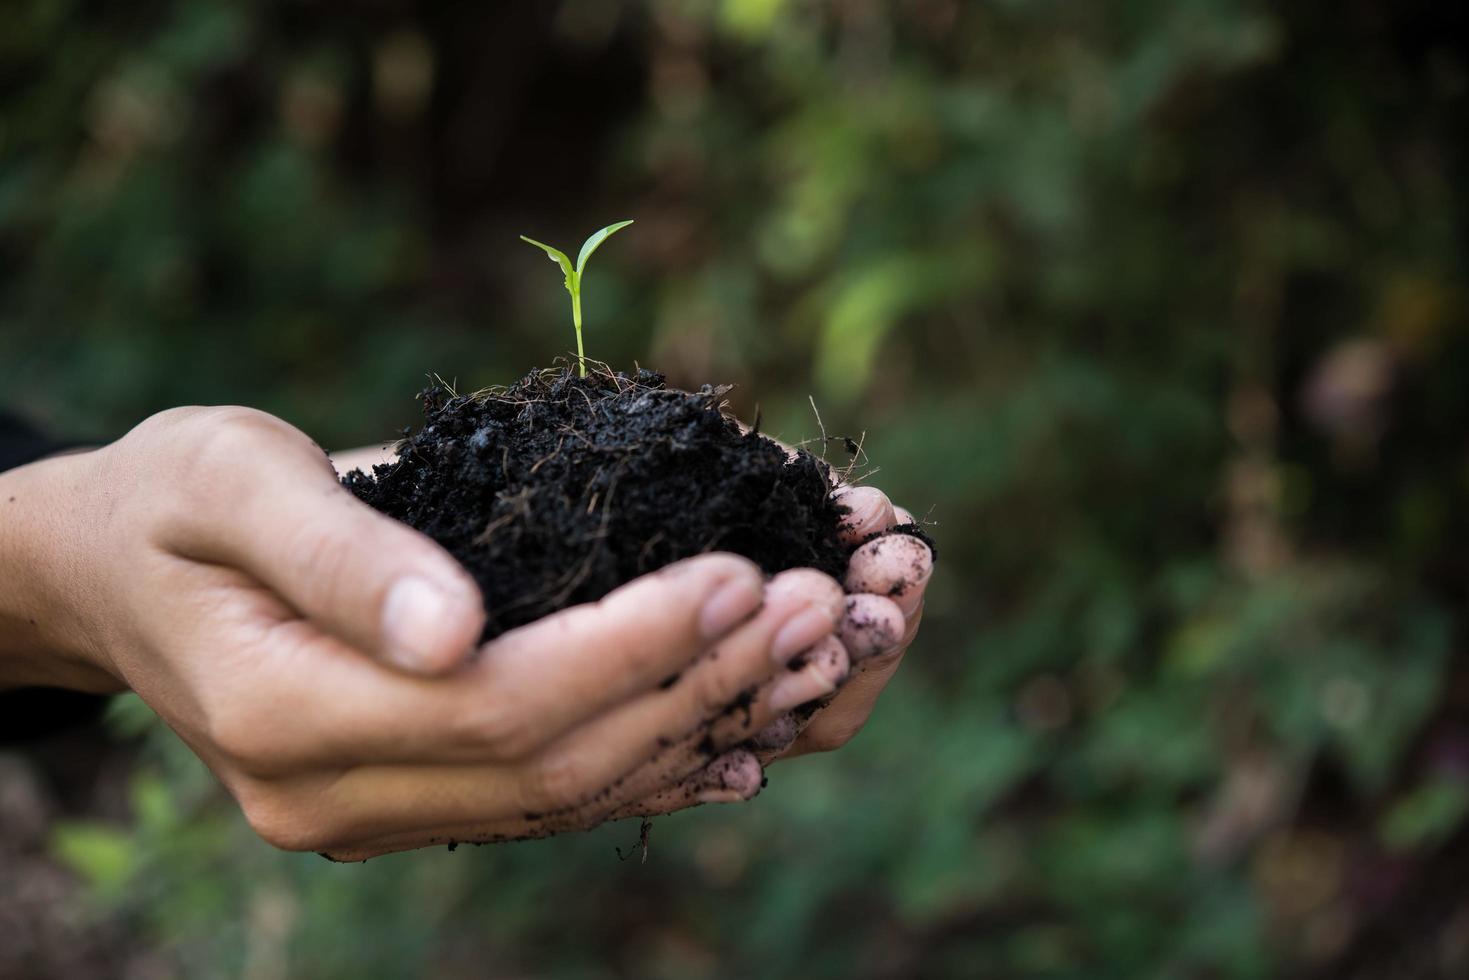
column 44, row 640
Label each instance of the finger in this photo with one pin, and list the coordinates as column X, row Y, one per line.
column 838, row 722
column 868, row 512
column 268, row 502
column 573, row 665
column 377, row 801
column 677, row 778
column 527, row 687
column 778, row 736
column 874, row 632
column 872, row 625
column 777, row 733
column 895, row 565
column 735, row 777
column 451, row 836
column 841, row 715
column 817, row 673
column 820, row 671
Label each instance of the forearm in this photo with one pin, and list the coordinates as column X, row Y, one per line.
column 43, row 587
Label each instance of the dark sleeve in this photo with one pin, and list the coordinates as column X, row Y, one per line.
column 21, row 444
column 31, row 713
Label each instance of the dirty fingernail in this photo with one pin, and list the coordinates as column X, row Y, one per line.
column 415, row 616
column 731, row 604
column 799, row 632
column 829, row 658
column 778, row 734
column 895, row 565
column 873, row 625
column 737, row 771
column 867, row 508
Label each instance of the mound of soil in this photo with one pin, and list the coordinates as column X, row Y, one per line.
column 558, row 489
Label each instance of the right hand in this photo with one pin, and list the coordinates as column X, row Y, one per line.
column 321, row 659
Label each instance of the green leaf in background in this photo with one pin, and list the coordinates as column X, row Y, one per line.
column 1427, row 815
column 105, row 855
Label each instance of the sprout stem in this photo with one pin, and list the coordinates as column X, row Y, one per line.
column 581, row 356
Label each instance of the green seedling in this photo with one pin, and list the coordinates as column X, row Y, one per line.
column 574, row 274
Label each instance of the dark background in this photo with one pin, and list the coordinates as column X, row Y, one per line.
column 1156, row 308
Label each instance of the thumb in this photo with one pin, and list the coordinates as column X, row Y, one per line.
column 382, row 587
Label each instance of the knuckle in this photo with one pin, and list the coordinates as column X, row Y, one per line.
column 209, row 446
column 628, row 659
column 277, row 821
column 714, row 691
column 496, row 730
column 314, row 553
column 616, row 626
column 215, row 436
column 831, row 660
column 241, row 739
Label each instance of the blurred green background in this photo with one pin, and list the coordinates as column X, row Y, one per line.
column 1157, row 309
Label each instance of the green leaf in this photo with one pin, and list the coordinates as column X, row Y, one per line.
column 593, row 243
column 1428, row 815
column 555, row 255
column 105, row 855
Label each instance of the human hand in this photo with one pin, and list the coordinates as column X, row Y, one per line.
column 886, row 580
column 895, row 566
column 723, row 760
column 321, row 659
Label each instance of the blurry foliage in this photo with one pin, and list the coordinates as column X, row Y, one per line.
column 1156, row 307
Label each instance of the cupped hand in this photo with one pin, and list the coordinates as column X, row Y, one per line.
column 723, row 760
column 885, row 582
column 322, row 660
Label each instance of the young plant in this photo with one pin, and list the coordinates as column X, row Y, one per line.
column 574, row 274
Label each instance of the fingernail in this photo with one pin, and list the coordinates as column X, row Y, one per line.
column 731, row 604
column 894, row 565
column 414, row 616
column 778, row 734
column 798, row 688
column 798, row 633
column 831, row 659
column 872, row 625
column 863, row 504
column 808, row 585
column 720, row 796
column 737, row 772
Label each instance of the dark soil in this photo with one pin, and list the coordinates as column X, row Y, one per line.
column 558, row 489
